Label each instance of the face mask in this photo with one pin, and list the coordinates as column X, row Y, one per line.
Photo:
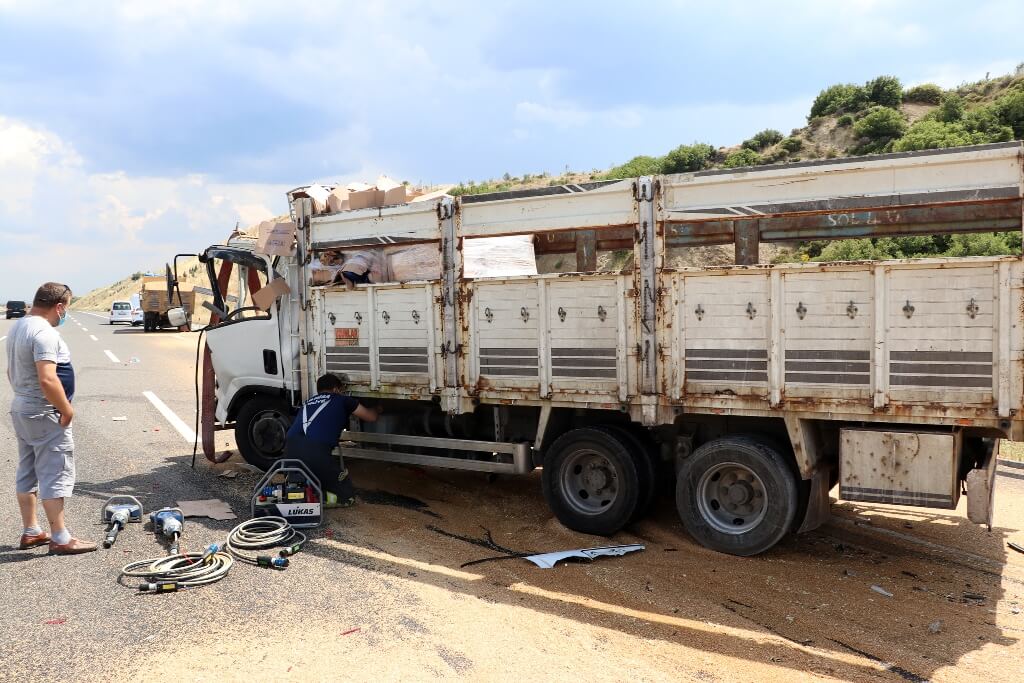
column 61, row 319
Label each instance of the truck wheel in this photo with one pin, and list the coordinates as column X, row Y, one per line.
column 260, row 430
column 590, row 481
column 737, row 495
column 646, row 469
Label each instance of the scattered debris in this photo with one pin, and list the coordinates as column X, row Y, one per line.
column 881, row 591
column 973, row 596
column 908, row 525
column 120, row 418
column 849, row 572
column 1016, row 546
column 133, row 359
column 910, row 574
column 55, row 622
column 549, row 560
column 228, row 474
column 351, row 631
column 213, row 508
column 1015, row 610
column 935, row 626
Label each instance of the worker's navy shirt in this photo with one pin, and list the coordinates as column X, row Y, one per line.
column 326, row 425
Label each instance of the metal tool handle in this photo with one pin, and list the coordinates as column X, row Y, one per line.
column 112, row 532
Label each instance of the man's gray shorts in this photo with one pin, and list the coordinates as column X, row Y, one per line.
column 46, row 455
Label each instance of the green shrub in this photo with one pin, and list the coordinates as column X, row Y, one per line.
column 844, row 120
column 880, row 123
column 926, row 93
column 983, row 244
column 688, row 158
column 792, row 144
column 766, row 138
column 985, row 120
column 936, row 135
column 951, row 108
column 855, row 250
column 886, row 91
column 637, row 166
column 742, row 157
column 1010, row 108
column 835, row 99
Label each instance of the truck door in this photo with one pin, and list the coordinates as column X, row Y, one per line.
column 251, row 377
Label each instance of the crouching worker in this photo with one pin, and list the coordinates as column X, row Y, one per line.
column 317, row 430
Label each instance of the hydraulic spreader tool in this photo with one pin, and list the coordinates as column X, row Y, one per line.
column 118, row 512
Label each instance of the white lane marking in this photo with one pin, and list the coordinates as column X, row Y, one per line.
column 97, row 315
column 85, row 329
column 186, row 432
column 112, row 357
column 93, row 337
column 3, row 337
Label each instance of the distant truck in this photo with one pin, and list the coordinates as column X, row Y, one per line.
column 155, row 303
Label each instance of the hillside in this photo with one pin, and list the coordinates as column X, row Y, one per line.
column 845, row 120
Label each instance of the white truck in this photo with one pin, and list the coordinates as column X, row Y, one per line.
column 755, row 388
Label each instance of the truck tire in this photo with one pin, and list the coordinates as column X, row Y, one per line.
column 260, row 429
column 646, row 468
column 737, row 495
column 590, row 480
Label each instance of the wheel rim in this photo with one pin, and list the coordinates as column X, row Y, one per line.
column 268, row 432
column 589, row 482
column 732, row 498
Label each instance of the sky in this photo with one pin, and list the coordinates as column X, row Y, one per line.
column 133, row 131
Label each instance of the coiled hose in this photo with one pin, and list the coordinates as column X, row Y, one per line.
column 184, row 570
column 264, row 533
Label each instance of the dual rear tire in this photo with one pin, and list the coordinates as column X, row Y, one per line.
column 737, row 495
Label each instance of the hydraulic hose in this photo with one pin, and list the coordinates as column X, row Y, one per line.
column 264, row 533
column 185, row 570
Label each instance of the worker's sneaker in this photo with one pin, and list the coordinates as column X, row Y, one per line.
column 42, row 538
column 331, row 501
column 72, row 547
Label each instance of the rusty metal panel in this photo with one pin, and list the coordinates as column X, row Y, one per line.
column 900, row 467
column 748, row 243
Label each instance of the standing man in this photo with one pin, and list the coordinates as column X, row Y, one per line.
column 40, row 371
column 316, row 431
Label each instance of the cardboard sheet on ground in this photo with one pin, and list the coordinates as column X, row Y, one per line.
column 213, row 508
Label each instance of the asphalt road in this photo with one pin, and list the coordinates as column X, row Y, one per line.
column 380, row 593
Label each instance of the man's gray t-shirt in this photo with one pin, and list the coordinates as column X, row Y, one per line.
column 32, row 339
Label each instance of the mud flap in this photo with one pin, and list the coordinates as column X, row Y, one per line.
column 819, row 505
column 981, row 487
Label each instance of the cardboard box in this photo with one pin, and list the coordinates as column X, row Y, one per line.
column 338, row 200
column 265, row 298
column 276, row 239
column 389, row 192
column 361, row 196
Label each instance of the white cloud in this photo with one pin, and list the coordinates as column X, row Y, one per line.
column 59, row 221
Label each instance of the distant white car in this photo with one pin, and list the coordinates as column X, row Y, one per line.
column 138, row 317
column 120, row 312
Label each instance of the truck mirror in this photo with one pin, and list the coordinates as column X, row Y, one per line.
column 170, row 284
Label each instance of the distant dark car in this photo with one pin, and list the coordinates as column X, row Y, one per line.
column 15, row 309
